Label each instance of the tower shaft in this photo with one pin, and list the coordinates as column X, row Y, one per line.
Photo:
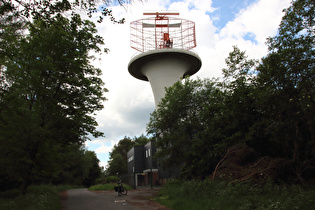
column 162, row 68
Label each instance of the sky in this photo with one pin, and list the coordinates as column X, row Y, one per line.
column 220, row 25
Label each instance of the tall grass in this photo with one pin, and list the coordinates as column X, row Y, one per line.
column 221, row 195
column 37, row 197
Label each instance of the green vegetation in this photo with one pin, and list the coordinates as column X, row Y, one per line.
column 108, row 183
column 108, row 186
column 266, row 105
column 117, row 163
column 49, row 92
column 44, row 197
column 208, row 194
column 112, row 179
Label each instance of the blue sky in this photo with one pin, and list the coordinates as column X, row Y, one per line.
column 227, row 10
column 220, row 24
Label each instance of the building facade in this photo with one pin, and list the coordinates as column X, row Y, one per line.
column 143, row 170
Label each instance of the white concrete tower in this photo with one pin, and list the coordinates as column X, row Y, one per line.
column 165, row 43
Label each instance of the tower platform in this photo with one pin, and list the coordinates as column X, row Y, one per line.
column 163, row 67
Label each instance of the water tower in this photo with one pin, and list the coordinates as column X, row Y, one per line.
column 164, row 43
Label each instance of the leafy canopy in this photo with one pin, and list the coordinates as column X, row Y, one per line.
column 48, row 96
column 268, row 105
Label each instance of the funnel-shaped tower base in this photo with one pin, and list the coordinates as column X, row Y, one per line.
column 162, row 68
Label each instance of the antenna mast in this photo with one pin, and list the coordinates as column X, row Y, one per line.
column 161, row 32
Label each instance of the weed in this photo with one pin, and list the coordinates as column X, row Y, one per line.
column 196, row 194
column 44, row 197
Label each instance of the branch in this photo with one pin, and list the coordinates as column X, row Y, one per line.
column 216, row 168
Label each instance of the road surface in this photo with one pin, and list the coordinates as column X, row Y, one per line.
column 83, row 199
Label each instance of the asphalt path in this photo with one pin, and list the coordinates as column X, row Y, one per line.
column 83, row 199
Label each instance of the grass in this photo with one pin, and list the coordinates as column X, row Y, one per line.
column 108, row 186
column 221, row 195
column 44, row 197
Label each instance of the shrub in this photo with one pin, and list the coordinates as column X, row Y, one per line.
column 108, row 186
column 112, row 179
column 206, row 194
column 37, row 197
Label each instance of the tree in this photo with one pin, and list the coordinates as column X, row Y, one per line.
column 286, row 77
column 77, row 166
column 239, row 110
column 197, row 120
column 51, row 95
column 45, row 9
column 118, row 157
column 141, row 140
column 268, row 106
column 117, row 165
column 178, row 125
column 16, row 14
column 11, row 27
column 93, row 168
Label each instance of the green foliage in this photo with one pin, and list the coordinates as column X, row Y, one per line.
column 141, row 140
column 108, row 186
column 46, row 8
column 49, row 93
column 267, row 105
column 195, row 122
column 206, row 194
column 91, row 162
column 239, row 71
column 38, row 197
column 177, row 122
column 286, row 79
column 78, row 166
column 112, row 179
column 118, row 156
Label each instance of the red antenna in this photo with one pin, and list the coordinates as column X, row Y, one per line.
column 162, row 32
column 158, row 14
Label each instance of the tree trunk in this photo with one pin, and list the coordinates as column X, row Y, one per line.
column 296, row 154
column 26, row 180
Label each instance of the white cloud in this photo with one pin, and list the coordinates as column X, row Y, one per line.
column 103, row 148
column 261, row 19
column 130, row 101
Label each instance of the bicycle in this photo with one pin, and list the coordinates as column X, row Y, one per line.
column 120, row 189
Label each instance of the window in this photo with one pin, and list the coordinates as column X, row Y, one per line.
column 130, row 159
column 147, row 153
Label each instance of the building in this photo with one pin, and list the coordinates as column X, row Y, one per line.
column 143, row 169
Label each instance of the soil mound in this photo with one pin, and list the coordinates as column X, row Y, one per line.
column 242, row 163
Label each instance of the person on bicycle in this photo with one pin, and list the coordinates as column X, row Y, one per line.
column 120, row 188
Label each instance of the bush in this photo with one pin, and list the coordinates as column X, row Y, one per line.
column 197, row 194
column 112, row 179
column 108, row 186
column 37, row 197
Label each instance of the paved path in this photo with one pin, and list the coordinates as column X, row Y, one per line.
column 83, row 199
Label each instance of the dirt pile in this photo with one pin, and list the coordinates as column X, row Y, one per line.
column 242, row 163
